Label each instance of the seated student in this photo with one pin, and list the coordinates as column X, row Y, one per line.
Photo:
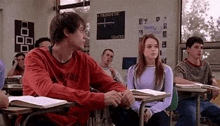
column 3, row 98
column 17, row 65
column 42, row 42
column 17, row 69
column 149, row 73
column 64, row 72
column 106, row 59
column 195, row 70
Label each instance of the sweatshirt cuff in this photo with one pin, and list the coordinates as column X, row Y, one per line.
column 97, row 101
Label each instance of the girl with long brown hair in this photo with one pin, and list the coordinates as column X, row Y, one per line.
column 151, row 73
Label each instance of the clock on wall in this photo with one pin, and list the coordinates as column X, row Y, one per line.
column 111, row 25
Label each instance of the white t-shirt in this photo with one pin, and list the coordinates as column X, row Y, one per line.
column 117, row 75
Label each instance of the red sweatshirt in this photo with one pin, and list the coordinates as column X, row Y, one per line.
column 45, row 76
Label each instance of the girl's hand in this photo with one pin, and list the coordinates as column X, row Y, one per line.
column 147, row 115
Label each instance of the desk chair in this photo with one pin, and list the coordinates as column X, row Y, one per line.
column 173, row 104
column 99, row 117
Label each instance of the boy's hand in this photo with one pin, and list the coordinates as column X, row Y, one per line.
column 127, row 98
column 112, row 98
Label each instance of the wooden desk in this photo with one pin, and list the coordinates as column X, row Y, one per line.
column 144, row 100
column 12, row 87
column 199, row 91
column 28, row 112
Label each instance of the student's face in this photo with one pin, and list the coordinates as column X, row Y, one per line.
column 20, row 60
column 45, row 44
column 77, row 39
column 151, row 49
column 107, row 58
column 195, row 51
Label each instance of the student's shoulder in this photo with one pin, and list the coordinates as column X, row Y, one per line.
column 84, row 57
column 167, row 68
column 2, row 65
column 37, row 51
column 205, row 62
column 132, row 67
column 82, row 54
column 181, row 64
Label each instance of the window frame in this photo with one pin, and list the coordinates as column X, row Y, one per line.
column 181, row 45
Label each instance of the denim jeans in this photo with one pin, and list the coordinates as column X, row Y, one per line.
column 187, row 112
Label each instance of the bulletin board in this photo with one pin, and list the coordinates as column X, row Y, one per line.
column 24, row 36
column 111, row 25
column 158, row 27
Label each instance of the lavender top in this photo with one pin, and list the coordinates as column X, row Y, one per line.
column 2, row 74
column 146, row 81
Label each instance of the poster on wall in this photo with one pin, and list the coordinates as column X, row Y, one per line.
column 24, row 36
column 111, row 25
column 158, row 27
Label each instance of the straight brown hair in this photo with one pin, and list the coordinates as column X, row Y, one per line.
column 141, row 65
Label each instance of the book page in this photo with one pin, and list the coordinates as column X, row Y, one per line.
column 197, row 85
column 41, row 101
column 187, row 86
column 147, row 92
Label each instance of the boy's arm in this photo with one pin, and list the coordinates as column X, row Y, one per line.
column 179, row 80
column 179, row 73
column 215, row 93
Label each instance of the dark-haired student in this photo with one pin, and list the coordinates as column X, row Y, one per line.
column 3, row 98
column 148, row 73
column 42, row 42
column 195, row 70
column 63, row 71
column 17, row 65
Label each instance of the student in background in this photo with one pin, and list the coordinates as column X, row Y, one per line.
column 3, row 98
column 64, row 72
column 149, row 73
column 42, row 42
column 106, row 59
column 17, row 65
column 195, row 70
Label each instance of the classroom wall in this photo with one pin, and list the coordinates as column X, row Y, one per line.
column 38, row 11
column 134, row 9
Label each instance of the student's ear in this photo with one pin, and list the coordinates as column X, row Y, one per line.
column 66, row 32
column 187, row 49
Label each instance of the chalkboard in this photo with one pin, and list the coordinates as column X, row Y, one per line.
column 111, row 25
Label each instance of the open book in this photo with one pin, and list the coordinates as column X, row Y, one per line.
column 147, row 92
column 35, row 102
column 197, row 85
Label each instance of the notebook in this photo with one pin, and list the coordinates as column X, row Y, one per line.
column 147, row 92
column 35, row 102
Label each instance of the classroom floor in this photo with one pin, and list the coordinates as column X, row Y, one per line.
column 2, row 123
